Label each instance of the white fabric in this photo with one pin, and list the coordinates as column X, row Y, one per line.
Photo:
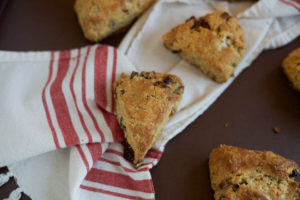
column 4, row 178
column 46, row 174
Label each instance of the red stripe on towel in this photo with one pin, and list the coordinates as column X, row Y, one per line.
column 113, row 78
column 95, row 150
column 92, row 189
column 75, row 100
column 119, row 180
column 120, row 165
column 110, row 118
column 297, row 1
column 54, row 135
column 102, row 56
column 59, row 101
column 291, row 4
column 83, row 157
column 114, row 152
column 113, row 124
column 153, row 153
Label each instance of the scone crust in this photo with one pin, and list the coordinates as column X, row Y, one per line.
column 239, row 174
column 100, row 18
column 144, row 104
column 214, row 43
column 291, row 67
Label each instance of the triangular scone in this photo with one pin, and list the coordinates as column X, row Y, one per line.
column 144, row 104
column 214, row 43
column 101, row 18
column 241, row 174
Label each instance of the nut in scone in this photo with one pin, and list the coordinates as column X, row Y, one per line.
column 144, row 103
column 241, row 174
column 291, row 67
column 214, row 43
column 100, row 18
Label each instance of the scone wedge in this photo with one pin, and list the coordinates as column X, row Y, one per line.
column 144, row 103
column 291, row 67
column 100, row 18
column 214, row 43
column 241, row 174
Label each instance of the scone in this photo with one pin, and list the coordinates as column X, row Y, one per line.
column 100, row 18
column 241, row 174
column 291, row 67
column 214, row 43
column 144, row 104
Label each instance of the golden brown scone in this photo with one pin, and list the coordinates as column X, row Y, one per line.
column 241, row 174
column 214, row 43
column 291, row 67
column 100, row 18
column 144, row 104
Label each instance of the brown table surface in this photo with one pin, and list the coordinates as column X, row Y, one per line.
column 258, row 100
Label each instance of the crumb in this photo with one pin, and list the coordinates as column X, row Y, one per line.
column 226, row 124
column 276, row 130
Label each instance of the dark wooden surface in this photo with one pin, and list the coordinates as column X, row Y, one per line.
column 258, row 100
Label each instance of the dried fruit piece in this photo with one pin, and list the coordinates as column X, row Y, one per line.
column 276, row 130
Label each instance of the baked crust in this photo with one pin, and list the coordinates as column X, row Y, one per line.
column 291, row 67
column 144, row 104
column 241, row 174
column 214, row 43
column 100, row 18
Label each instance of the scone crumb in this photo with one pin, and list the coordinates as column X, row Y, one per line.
column 276, row 130
column 226, row 124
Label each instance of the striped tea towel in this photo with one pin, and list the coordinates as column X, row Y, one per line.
column 53, row 100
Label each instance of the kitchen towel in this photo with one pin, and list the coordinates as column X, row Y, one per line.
column 59, row 135
column 62, row 103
